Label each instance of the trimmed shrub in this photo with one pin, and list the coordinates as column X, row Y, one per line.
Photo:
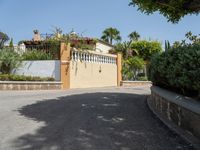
column 177, row 69
column 12, row 77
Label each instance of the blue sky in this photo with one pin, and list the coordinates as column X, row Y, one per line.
column 90, row 17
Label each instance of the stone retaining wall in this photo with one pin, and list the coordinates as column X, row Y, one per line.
column 182, row 111
column 23, row 85
column 135, row 83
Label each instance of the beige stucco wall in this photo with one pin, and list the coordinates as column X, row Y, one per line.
column 85, row 74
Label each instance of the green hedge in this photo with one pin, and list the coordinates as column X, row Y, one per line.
column 36, row 55
column 11, row 77
column 177, row 69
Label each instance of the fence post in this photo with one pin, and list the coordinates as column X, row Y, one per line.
column 119, row 69
column 65, row 64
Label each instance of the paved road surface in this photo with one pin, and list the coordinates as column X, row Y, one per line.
column 89, row 119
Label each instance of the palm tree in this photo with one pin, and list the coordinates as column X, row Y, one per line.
column 126, row 49
column 134, row 36
column 111, row 34
column 134, row 64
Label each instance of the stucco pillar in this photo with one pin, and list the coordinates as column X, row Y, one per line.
column 119, row 68
column 65, row 65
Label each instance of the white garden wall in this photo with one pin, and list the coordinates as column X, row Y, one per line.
column 46, row 68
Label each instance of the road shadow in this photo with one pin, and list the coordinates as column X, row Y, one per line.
column 97, row 121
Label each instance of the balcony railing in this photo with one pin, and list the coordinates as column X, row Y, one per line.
column 93, row 57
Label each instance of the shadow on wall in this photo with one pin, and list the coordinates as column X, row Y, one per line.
column 98, row 121
column 56, row 71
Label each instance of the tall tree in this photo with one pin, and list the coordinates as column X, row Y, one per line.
column 111, row 34
column 173, row 10
column 147, row 49
column 3, row 38
column 134, row 36
column 193, row 38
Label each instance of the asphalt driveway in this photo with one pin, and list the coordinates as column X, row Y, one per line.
column 89, row 119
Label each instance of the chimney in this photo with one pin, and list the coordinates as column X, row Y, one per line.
column 36, row 35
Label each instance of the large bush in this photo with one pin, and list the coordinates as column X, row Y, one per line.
column 177, row 69
column 9, row 60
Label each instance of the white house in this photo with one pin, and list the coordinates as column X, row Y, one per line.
column 103, row 47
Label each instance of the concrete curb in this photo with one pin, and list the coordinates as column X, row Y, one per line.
column 30, row 82
column 172, row 126
column 29, row 85
column 134, row 83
